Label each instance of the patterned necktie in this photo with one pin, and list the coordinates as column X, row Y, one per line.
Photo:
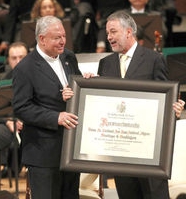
column 123, row 59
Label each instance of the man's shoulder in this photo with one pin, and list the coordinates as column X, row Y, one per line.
column 148, row 51
column 110, row 56
column 68, row 52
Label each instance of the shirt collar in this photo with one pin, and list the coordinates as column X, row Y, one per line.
column 130, row 52
column 45, row 56
column 133, row 10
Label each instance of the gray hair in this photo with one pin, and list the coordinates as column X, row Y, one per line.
column 125, row 19
column 44, row 23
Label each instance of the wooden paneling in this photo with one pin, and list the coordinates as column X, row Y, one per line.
column 180, row 6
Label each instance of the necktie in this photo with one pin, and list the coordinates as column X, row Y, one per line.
column 123, row 59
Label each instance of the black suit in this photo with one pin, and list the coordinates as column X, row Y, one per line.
column 145, row 65
column 38, row 105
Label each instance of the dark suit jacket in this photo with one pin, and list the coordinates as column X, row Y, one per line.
column 37, row 101
column 145, row 65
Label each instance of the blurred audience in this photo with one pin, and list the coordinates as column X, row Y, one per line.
column 84, row 27
column 16, row 52
column 65, row 4
column 4, row 10
column 170, row 16
column 139, row 7
column 18, row 11
column 43, row 8
column 88, row 18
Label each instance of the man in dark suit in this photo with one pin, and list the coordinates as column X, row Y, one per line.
column 40, row 92
column 141, row 64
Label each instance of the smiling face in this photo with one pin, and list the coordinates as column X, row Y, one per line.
column 120, row 38
column 53, row 42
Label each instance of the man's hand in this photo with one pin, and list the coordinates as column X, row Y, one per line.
column 68, row 120
column 67, row 93
column 178, row 107
column 89, row 75
column 10, row 125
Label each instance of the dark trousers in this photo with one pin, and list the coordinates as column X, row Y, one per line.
column 141, row 188
column 51, row 183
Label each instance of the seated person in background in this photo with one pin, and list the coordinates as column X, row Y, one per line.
column 16, row 52
column 143, row 7
column 139, row 7
column 43, row 8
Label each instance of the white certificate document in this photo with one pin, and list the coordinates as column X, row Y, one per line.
column 120, row 126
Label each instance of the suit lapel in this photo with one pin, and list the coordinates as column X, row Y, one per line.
column 116, row 72
column 46, row 69
column 136, row 61
column 65, row 64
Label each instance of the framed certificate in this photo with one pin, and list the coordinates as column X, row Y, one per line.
column 126, row 127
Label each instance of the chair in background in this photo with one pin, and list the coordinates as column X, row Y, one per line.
column 149, row 23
